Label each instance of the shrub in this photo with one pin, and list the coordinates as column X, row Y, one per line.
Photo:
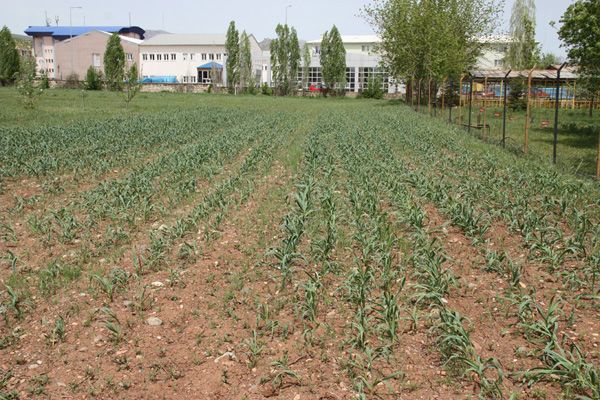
column 93, row 79
column 72, row 81
column 266, row 90
column 26, row 83
column 374, row 89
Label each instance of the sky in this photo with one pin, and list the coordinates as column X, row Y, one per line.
column 310, row 17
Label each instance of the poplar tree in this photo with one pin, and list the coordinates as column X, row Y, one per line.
column 285, row 59
column 333, row 61
column 523, row 51
column 232, row 47
column 245, row 63
column 306, row 58
column 9, row 57
column 114, row 63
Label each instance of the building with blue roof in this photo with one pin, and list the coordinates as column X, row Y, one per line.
column 45, row 39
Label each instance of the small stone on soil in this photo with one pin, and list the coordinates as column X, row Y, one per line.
column 154, row 321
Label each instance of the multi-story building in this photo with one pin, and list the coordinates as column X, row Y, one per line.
column 74, row 56
column 189, row 58
column 45, row 39
column 494, row 52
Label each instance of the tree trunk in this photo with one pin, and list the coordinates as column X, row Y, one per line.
column 592, row 105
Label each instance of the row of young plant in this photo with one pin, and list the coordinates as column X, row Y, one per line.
column 557, row 216
column 162, row 243
column 137, row 197
column 95, row 147
column 575, row 374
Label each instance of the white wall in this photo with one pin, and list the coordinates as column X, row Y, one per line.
column 179, row 68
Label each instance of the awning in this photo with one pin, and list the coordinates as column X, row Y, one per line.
column 210, row 65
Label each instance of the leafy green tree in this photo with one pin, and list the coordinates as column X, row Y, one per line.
column 373, row 88
column 232, row 47
column 580, row 33
column 93, row 79
column 114, row 63
column 26, row 86
column 245, row 63
column 431, row 39
column 306, row 58
column 9, row 57
column 548, row 59
column 132, row 83
column 523, row 52
column 333, row 61
column 285, row 59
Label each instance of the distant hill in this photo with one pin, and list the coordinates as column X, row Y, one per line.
column 21, row 38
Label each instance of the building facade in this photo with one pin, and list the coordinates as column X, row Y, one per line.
column 74, row 56
column 189, row 58
column 45, row 39
column 494, row 52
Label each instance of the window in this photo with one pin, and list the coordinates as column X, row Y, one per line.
column 96, row 60
column 192, row 56
column 151, row 57
column 144, row 57
column 317, row 50
column 129, row 57
column 203, row 56
column 173, row 56
column 185, row 57
column 218, row 56
column 365, row 74
column 185, row 78
column 193, row 79
column 315, row 76
column 498, row 63
column 350, row 79
column 211, row 57
column 165, row 57
column 159, row 57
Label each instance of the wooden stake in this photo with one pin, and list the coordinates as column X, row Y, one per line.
column 485, row 82
column 598, row 158
column 443, row 94
column 460, row 100
column 429, row 97
column 528, row 116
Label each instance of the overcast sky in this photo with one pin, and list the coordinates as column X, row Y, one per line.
column 310, row 17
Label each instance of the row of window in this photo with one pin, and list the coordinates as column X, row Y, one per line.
column 184, row 56
column 189, row 79
column 315, row 77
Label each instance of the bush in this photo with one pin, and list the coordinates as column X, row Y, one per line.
column 72, row 81
column 93, row 79
column 26, row 87
column 517, row 98
column 374, row 88
column 44, row 82
column 266, row 90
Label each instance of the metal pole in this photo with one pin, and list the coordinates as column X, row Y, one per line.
column 505, row 106
column 528, row 116
column 286, row 13
column 554, row 144
column 450, row 106
column 460, row 100
column 470, row 103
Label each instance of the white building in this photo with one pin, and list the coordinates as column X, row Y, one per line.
column 494, row 52
column 188, row 58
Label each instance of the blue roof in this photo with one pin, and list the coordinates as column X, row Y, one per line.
column 210, row 65
column 62, row 32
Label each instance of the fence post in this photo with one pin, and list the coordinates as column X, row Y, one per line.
column 528, row 116
column 460, row 100
column 598, row 158
column 485, row 82
column 450, row 107
column 470, row 103
column 505, row 106
column 557, row 103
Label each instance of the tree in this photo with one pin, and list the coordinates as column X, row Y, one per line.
column 9, row 57
column 306, row 58
column 580, row 33
column 285, row 59
column 245, row 63
column 232, row 47
column 431, row 39
column 114, row 63
column 523, row 52
column 548, row 59
column 132, row 83
column 26, row 83
column 333, row 61
column 93, row 79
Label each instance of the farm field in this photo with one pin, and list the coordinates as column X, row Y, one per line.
column 251, row 247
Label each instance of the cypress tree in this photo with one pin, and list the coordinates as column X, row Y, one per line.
column 114, row 63
column 232, row 47
column 245, row 66
column 9, row 57
column 333, row 61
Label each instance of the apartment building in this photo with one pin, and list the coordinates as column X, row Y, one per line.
column 76, row 55
column 45, row 39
